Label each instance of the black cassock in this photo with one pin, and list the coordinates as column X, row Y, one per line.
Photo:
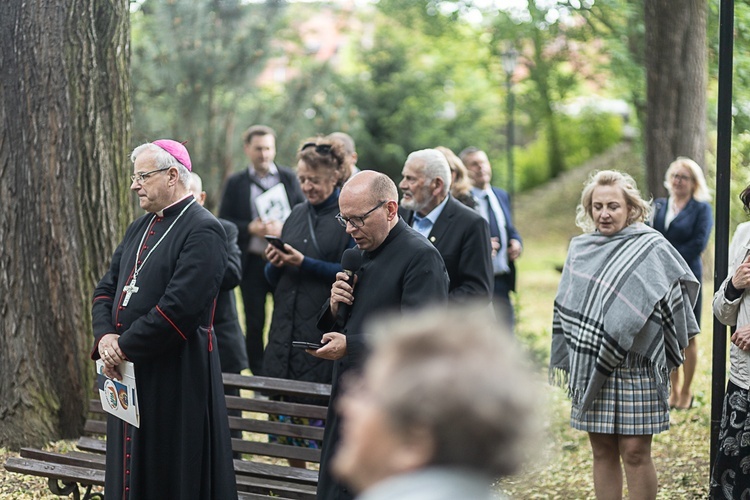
column 182, row 448
column 404, row 273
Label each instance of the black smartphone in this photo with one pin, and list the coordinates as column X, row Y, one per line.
column 276, row 242
column 306, row 345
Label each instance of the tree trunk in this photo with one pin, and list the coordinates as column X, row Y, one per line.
column 64, row 201
column 676, row 85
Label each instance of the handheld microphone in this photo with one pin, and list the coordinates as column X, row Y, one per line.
column 351, row 260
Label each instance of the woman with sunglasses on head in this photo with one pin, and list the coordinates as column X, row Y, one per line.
column 304, row 268
column 685, row 220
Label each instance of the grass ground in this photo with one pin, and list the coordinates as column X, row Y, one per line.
column 561, row 468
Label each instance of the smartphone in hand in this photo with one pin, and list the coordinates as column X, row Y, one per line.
column 276, row 242
column 306, row 345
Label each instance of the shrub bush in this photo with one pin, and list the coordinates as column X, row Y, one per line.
column 583, row 137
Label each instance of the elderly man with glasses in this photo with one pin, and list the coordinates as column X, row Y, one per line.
column 400, row 271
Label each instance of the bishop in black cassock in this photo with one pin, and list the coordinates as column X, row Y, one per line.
column 154, row 307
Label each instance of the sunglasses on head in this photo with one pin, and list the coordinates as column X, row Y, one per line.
column 321, row 149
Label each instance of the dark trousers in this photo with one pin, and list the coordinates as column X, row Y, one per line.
column 501, row 300
column 255, row 290
column 329, row 487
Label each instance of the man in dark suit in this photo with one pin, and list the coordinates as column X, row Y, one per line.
column 238, row 206
column 459, row 233
column 232, row 353
column 226, row 325
column 494, row 205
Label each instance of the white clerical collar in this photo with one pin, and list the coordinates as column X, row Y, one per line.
column 160, row 213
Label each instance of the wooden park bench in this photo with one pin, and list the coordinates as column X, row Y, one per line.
column 257, row 477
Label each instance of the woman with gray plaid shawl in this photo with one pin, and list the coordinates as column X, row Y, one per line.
column 623, row 314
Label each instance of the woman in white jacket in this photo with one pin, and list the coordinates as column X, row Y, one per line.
column 730, row 477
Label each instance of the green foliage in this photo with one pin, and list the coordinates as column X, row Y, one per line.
column 585, row 136
column 421, row 84
column 548, row 58
column 531, row 164
column 590, row 134
column 741, row 61
column 191, row 62
column 617, row 27
column 422, row 76
column 740, row 177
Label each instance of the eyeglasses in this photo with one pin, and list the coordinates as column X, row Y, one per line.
column 321, row 149
column 681, row 177
column 357, row 222
column 142, row 176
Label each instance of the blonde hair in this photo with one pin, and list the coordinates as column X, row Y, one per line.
column 638, row 208
column 700, row 188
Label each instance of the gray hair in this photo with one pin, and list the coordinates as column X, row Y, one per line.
column 346, row 140
column 196, row 183
column 458, row 375
column 163, row 160
column 434, row 165
column 638, row 208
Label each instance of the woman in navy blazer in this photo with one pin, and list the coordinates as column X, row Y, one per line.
column 685, row 220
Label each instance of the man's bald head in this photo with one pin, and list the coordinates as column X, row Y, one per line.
column 368, row 201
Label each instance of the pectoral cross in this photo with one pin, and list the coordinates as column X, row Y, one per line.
column 129, row 290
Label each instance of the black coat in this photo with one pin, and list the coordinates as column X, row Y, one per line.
column 229, row 334
column 462, row 237
column 300, row 293
column 405, row 272
column 182, row 448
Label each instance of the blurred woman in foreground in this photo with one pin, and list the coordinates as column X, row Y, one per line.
column 623, row 314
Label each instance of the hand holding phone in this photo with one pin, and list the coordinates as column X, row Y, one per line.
column 276, row 243
column 306, row 345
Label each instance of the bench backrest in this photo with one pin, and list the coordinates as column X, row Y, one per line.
column 257, row 401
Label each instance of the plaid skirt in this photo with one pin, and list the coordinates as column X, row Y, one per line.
column 628, row 404
column 731, row 475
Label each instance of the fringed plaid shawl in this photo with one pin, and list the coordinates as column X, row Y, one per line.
column 626, row 298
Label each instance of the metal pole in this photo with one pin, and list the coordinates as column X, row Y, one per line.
column 723, row 173
column 510, row 138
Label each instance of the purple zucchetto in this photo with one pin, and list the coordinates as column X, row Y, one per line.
column 177, row 150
